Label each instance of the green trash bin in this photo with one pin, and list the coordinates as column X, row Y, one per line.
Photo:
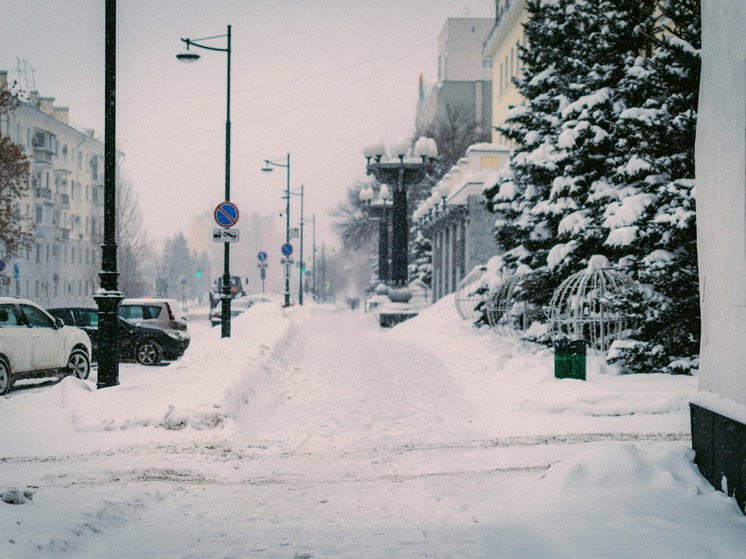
column 569, row 359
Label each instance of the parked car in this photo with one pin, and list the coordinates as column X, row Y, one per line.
column 238, row 306
column 146, row 345
column 158, row 313
column 34, row 344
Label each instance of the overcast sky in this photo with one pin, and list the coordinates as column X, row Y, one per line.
column 315, row 78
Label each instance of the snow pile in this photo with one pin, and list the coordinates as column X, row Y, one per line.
column 515, row 392
column 211, row 384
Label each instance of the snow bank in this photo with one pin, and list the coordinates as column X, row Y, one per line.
column 513, row 383
column 204, row 390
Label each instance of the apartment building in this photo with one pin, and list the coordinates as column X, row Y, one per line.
column 63, row 208
column 502, row 47
column 464, row 76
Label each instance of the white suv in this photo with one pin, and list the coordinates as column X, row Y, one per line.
column 33, row 344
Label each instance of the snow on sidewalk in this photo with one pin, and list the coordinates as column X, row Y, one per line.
column 311, row 434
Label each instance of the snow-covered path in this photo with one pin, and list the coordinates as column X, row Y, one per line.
column 347, row 386
column 318, row 436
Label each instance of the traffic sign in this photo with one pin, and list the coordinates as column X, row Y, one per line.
column 2, row 265
column 226, row 214
column 225, row 235
column 262, row 256
column 16, row 271
column 287, row 249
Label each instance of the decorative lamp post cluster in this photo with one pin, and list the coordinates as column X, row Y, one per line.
column 400, row 172
column 189, row 57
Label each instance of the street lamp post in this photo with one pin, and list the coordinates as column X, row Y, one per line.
column 268, row 164
column 300, row 275
column 188, row 56
column 109, row 297
column 400, row 174
column 312, row 221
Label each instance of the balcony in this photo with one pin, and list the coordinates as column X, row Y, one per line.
column 42, row 156
column 43, row 193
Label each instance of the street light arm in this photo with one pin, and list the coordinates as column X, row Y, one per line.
column 269, row 162
column 193, row 42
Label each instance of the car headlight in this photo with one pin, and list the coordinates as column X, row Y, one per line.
column 174, row 335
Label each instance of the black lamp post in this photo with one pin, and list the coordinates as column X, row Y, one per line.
column 109, row 297
column 268, row 164
column 225, row 295
column 379, row 208
column 400, row 174
column 300, row 275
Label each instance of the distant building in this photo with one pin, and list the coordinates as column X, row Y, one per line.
column 502, row 47
column 719, row 409
column 462, row 231
column 464, row 76
column 64, row 207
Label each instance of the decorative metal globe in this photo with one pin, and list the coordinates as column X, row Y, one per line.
column 506, row 314
column 580, row 307
column 470, row 293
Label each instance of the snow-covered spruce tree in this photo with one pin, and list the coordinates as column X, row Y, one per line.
column 551, row 208
column 421, row 256
column 653, row 219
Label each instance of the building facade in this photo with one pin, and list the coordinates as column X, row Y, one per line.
column 502, row 47
column 456, row 221
column 719, row 409
column 63, row 208
column 464, row 76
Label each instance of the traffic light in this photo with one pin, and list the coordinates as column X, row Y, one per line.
column 198, row 273
column 303, row 268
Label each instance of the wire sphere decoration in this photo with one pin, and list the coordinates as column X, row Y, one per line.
column 470, row 294
column 506, row 314
column 580, row 308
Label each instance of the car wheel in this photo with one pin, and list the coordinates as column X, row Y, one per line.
column 78, row 364
column 5, row 380
column 148, row 353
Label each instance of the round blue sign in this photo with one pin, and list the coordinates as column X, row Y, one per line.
column 287, row 249
column 226, row 214
column 262, row 256
column 2, row 265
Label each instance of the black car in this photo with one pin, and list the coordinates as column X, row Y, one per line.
column 146, row 345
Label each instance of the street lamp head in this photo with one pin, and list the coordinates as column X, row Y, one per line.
column 444, row 190
column 267, row 167
column 374, row 150
column 399, row 148
column 187, row 56
column 384, row 193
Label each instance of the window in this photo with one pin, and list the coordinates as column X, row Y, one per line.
column 88, row 318
column 8, row 316
column 36, row 317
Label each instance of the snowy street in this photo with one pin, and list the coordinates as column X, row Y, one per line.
column 312, row 434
